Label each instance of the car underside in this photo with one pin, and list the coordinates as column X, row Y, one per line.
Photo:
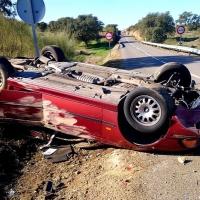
column 108, row 105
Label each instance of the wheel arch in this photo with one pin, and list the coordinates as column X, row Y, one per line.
column 165, row 71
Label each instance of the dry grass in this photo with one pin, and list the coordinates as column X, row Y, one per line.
column 114, row 58
column 17, row 40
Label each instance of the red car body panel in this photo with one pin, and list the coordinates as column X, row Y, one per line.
column 21, row 106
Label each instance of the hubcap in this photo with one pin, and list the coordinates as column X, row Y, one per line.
column 145, row 110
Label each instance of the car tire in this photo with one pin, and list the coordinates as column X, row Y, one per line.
column 53, row 52
column 147, row 110
column 5, row 70
column 164, row 72
column 3, row 77
column 7, row 65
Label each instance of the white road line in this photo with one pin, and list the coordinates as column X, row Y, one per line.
column 144, row 51
column 153, row 56
column 195, row 76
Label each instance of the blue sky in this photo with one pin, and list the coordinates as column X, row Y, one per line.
column 122, row 12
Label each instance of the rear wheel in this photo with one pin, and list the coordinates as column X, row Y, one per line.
column 147, row 110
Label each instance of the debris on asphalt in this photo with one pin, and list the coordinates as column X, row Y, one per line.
column 182, row 160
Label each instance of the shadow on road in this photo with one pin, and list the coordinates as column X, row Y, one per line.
column 122, row 45
column 147, row 62
column 115, row 64
column 124, row 42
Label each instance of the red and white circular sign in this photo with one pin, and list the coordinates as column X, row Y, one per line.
column 109, row 36
column 180, row 29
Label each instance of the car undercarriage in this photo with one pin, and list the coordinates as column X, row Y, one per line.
column 113, row 106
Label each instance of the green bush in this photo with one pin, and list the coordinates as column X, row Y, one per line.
column 158, row 35
column 61, row 39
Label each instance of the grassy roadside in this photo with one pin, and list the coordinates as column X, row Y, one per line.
column 189, row 39
column 17, row 41
column 96, row 52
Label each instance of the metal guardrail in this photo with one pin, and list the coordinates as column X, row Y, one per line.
column 174, row 47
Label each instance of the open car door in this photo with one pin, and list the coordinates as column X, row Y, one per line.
column 21, row 107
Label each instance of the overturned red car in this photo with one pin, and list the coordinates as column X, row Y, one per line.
column 112, row 106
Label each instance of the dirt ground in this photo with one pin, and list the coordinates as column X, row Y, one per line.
column 99, row 173
column 102, row 173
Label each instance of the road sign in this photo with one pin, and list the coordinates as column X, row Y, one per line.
column 31, row 12
column 109, row 36
column 27, row 9
column 180, row 29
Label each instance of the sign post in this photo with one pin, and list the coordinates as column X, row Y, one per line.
column 109, row 36
column 33, row 28
column 31, row 12
column 180, row 30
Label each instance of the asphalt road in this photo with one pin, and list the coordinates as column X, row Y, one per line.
column 146, row 59
column 163, row 177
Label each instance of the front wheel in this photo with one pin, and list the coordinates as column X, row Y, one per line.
column 173, row 74
column 5, row 70
column 147, row 110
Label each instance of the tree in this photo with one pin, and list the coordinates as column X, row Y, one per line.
column 184, row 18
column 7, row 8
column 52, row 26
column 195, row 22
column 42, row 26
column 86, row 28
column 146, row 25
column 111, row 28
column 166, row 22
column 155, row 26
column 64, row 23
column 61, row 24
column 192, row 21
